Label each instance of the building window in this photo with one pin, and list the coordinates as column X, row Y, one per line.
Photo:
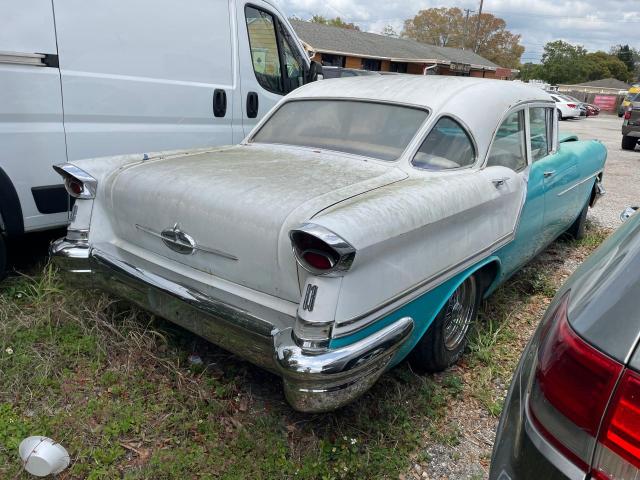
column 333, row 60
column 399, row 67
column 371, row 64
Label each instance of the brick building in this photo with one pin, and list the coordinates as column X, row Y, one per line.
column 347, row 48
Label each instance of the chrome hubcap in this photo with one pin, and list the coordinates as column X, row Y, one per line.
column 458, row 314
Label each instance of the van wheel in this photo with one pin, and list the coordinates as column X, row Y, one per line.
column 577, row 229
column 445, row 340
column 3, row 257
column 629, row 143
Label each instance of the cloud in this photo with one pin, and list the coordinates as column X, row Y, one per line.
column 595, row 24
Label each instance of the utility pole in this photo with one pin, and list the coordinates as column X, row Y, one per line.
column 477, row 43
column 466, row 27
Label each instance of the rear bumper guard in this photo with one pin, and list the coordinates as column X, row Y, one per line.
column 312, row 382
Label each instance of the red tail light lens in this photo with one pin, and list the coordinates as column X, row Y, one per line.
column 74, row 187
column 618, row 455
column 571, row 105
column 627, row 115
column 572, row 386
column 318, row 260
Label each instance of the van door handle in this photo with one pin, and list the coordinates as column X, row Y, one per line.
column 219, row 102
column 549, row 173
column 252, row 104
column 499, row 182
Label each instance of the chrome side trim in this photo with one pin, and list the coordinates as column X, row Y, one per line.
column 69, row 171
column 195, row 246
column 415, row 291
column 15, row 58
column 562, row 463
column 580, row 183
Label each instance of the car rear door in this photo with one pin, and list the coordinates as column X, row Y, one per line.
column 558, row 170
column 31, row 129
column 271, row 60
column 145, row 75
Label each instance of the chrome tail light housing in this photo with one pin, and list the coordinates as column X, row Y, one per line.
column 77, row 182
column 320, row 251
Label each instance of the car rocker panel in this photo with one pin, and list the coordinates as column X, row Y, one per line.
column 328, row 264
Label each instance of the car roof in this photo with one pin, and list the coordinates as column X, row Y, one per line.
column 429, row 91
column 479, row 103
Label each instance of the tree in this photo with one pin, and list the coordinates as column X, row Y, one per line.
column 334, row 22
column 449, row 27
column 631, row 58
column 443, row 27
column 389, row 31
column 563, row 63
column 530, row 71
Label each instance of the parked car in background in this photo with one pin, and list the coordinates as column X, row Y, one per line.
column 573, row 407
column 340, row 72
column 631, row 126
column 631, row 96
column 592, row 110
column 566, row 108
column 363, row 219
column 136, row 76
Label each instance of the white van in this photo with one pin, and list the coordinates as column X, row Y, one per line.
column 88, row 78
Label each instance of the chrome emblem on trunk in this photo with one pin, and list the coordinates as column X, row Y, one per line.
column 183, row 243
column 178, row 241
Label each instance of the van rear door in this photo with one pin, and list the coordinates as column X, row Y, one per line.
column 272, row 62
column 31, row 129
column 145, row 75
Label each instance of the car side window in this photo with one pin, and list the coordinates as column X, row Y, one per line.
column 293, row 70
column 541, row 124
column 264, row 49
column 447, row 146
column 509, row 147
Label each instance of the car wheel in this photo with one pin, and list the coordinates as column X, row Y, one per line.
column 560, row 117
column 3, row 257
column 629, row 143
column 445, row 340
column 576, row 230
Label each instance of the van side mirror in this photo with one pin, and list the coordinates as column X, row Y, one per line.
column 315, row 70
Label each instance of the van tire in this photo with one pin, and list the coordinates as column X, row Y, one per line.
column 437, row 350
column 3, row 257
column 629, row 143
column 577, row 229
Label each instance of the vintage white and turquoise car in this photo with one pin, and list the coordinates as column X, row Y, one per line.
column 361, row 221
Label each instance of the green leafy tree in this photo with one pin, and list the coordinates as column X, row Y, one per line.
column 530, row 71
column 334, row 22
column 563, row 63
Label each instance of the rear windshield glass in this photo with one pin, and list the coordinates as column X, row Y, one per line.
column 374, row 130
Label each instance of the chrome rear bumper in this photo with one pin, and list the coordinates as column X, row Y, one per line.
column 312, row 382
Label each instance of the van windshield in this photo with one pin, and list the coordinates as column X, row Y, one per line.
column 377, row 130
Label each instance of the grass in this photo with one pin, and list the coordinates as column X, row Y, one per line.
column 113, row 384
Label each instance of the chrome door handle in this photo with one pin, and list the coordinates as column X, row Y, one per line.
column 499, row 182
column 549, row 173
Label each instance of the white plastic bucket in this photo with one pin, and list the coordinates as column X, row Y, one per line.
column 41, row 456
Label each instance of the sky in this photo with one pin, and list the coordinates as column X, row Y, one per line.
column 595, row 24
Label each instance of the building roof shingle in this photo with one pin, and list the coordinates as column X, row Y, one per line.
column 326, row 38
column 606, row 83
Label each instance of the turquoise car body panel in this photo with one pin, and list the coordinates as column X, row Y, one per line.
column 553, row 203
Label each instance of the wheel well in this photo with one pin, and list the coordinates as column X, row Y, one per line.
column 487, row 275
column 592, row 195
column 10, row 210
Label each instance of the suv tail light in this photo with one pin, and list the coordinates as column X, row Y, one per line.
column 618, row 450
column 320, row 251
column 572, row 386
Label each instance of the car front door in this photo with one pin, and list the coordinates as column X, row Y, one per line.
column 558, row 170
column 270, row 60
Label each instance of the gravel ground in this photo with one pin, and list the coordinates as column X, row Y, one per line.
column 470, row 458
column 622, row 170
